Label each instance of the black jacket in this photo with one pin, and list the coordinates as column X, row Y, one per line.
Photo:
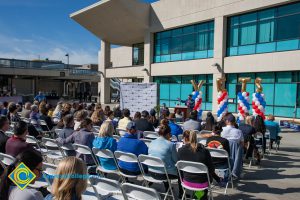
column 3, row 139
column 143, row 125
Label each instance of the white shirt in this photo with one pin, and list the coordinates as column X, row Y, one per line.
column 26, row 194
column 232, row 133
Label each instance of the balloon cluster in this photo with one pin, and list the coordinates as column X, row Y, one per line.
column 243, row 105
column 222, row 104
column 197, row 96
column 258, row 104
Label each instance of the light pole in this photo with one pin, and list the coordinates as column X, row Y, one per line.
column 67, row 55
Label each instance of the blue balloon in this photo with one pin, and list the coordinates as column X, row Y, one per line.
column 257, row 95
column 195, row 95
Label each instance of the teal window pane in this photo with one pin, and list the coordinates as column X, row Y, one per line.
column 167, row 102
column 234, row 21
column 298, row 113
column 174, row 91
column 186, row 89
column 211, row 25
column 269, row 110
column 188, row 43
column 231, row 78
column 288, row 45
column 248, row 34
column 210, row 53
column 288, row 9
column 202, row 41
column 234, row 36
column 267, row 77
column 201, row 54
column 173, row 103
column 284, row 111
column 288, row 27
column 232, row 51
column 284, row 77
column 176, row 45
column 188, row 56
column 268, row 90
column 176, row 32
column 187, row 79
column 202, row 27
column 266, row 47
column 156, row 59
column 247, row 18
column 164, row 91
column 248, row 49
column 188, row 29
column 203, row 90
column 208, row 106
column 165, row 34
column 266, row 14
column 231, row 107
column 285, row 94
column 266, row 31
column 211, row 40
column 175, row 79
column 165, row 58
column 251, row 89
column 157, row 50
column 175, row 57
column 210, row 78
column 165, row 47
column 231, row 90
column 210, row 93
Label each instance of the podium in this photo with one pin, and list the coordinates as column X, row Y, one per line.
column 184, row 111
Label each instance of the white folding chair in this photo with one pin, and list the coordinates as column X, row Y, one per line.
column 120, row 131
column 259, row 138
column 48, row 131
column 107, row 154
column 180, row 136
column 57, row 131
column 104, row 187
column 85, row 150
column 55, row 152
column 221, row 153
column 195, row 168
column 6, row 160
column 32, row 140
column 155, row 162
column 147, row 141
column 49, row 172
column 9, row 133
column 126, row 157
column 201, row 140
column 96, row 128
column 66, row 147
column 131, row 191
column 150, row 135
column 268, row 141
column 205, row 132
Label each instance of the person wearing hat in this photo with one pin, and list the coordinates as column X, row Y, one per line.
column 143, row 124
column 130, row 143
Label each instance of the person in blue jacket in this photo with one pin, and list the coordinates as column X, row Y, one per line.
column 130, row 143
column 175, row 128
column 106, row 141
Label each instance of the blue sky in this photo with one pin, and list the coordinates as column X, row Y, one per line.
column 43, row 28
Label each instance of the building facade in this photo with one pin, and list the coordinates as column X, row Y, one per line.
column 174, row 41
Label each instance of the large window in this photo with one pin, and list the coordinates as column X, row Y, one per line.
column 281, row 89
column 187, row 43
column 138, row 54
column 270, row 30
column 173, row 87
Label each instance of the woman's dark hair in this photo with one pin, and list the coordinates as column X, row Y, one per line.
column 217, row 129
column 210, row 121
column 164, row 129
column 186, row 135
column 126, row 112
column 107, row 108
column 108, row 113
column 137, row 115
column 194, row 115
column 31, row 158
column 20, row 128
column 12, row 107
column 44, row 110
column 85, row 123
column 259, row 124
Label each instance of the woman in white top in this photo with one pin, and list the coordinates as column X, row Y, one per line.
column 8, row 191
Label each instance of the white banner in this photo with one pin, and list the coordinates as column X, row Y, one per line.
column 138, row 96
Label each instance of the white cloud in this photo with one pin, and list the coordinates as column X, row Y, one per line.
column 28, row 49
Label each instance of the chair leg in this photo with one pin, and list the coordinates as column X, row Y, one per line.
column 183, row 195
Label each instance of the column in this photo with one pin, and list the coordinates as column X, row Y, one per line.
column 219, row 54
column 148, row 56
column 104, row 63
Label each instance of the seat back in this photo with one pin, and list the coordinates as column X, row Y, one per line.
column 9, row 133
column 50, row 143
column 146, row 141
column 84, row 150
column 150, row 135
column 120, row 131
column 103, row 153
column 101, row 185
column 131, row 191
column 32, row 140
column 6, row 160
column 126, row 157
column 57, row 130
column 49, row 171
column 117, row 137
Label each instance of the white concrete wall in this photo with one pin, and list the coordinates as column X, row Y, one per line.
column 121, row 56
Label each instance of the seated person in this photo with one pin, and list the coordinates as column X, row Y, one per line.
column 27, row 110
column 192, row 123
column 175, row 128
column 248, row 133
column 8, row 190
column 196, row 152
column 35, row 116
column 17, row 143
column 143, row 124
column 153, row 120
column 106, row 141
column 12, row 114
column 125, row 120
column 68, row 130
column 178, row 115
column 84, row 136
column 44, row 116
column 217, row 142
column 69, row 188
column 4, row 126
column 209, row 122
column 274, row 129
column 130, row 144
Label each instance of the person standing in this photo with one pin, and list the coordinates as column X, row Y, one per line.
column 40, row 97
column 189, row 102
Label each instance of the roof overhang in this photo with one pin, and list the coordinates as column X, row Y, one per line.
column 120, row 22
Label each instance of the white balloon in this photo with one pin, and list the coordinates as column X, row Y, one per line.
column 242, row 104
column 244, row 94
column 253, row 94
column 262, row 94
column 260, row 107
column 244, row 108
column 257, row 103
column 220, row 93
column 239, row 101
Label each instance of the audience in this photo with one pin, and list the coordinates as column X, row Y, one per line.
column 248, row 134
column 4, row 126
column 35, row 116
column 12, row 114
column 196, row 152
column 84, row 136
column 106, row 141
column 44, row 116
column 137, row 116
column 209, row 122
column 152, row 119
column 69, row 188
column 131, row 144
column 79, row 117
column 8, row 190
column 143, row 124
column 274, row 129
column 68, row 130
column 260, row 127
column 27, row 110
column 175, row 128
column 97, row 117
column 192, row 123
column 178, row 115
column 57, row 113
column 125, row 120
column 17, row 143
